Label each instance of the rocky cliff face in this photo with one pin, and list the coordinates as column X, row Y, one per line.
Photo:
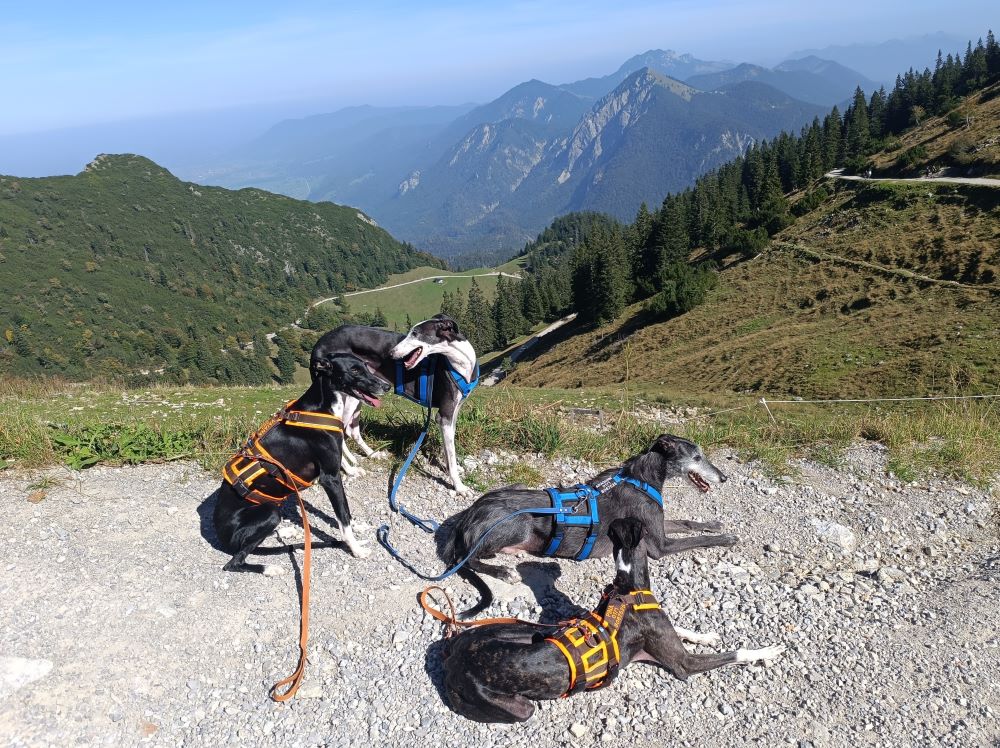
column 651, row 135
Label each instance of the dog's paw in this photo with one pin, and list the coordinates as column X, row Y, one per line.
column 380, row 455
column 507, row 575
column 747, row 656
column 461, row 487
column 728, row 540
column 715, row 526
column 273, row 570
column 359, row 551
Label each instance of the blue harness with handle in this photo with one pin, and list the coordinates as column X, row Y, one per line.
column 563, row 512
column 423, row 397
column 425, row 380
column 590, row 519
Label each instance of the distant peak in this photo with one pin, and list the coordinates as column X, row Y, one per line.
column 105, row 162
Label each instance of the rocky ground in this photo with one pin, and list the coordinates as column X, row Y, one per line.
column 119, row 627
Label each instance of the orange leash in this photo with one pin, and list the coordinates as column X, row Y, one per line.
column 453, row 622
column 294, row 680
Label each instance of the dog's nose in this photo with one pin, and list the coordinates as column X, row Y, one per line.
column 722, row 477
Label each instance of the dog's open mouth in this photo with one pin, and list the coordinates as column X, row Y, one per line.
column 700, row 483
column 370, row 399
column 410, row 361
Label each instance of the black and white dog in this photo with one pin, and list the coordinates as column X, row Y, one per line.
column 492, row 673
column 668, row 457
column 308, row 452
column 383, row 349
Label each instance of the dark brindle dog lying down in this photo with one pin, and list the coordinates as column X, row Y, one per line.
column 632, row 490
column 493, row 672
column 306, row 438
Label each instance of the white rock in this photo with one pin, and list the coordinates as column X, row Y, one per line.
column 310, row 692
column 17, row 672
column 836, row 534
column 578, row 729
column 287, row 533
column 273, row 570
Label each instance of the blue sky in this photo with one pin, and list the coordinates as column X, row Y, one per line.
column 72, row 63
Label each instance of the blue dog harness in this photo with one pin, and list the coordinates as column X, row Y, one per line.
column 425, row 380
column 571, row 516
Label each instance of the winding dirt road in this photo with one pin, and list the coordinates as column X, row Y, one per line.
column 407, row 283
column 980, row 181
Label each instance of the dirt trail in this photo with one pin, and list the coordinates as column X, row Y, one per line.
column 980, row 181
column 407, row 283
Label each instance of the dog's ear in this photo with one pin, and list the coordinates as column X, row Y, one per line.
column 665, row 444
column 326, row 365
column 626, row 532
column 447, row 328
column 320, row 365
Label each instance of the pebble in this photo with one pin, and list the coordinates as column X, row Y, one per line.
column 578, row 729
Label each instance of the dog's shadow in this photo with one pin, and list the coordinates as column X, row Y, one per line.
column 540, row 577
column 206, row 522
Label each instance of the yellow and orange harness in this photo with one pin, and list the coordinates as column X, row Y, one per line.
column 254, row 461
column 590, row 644
column 246, row 467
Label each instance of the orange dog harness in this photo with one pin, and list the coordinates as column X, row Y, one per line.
column 590, row 644
column 254, row 461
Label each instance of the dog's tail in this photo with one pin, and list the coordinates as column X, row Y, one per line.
column 452, row 549
column 485, row 593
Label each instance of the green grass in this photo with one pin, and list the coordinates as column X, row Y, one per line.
column 423, row 300
column 60, row 423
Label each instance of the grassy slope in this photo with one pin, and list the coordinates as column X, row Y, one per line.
column 422, row 300
column 99, row 267
column 44, row 422
column 798, row 323
column 884, row 289
column 976, row 143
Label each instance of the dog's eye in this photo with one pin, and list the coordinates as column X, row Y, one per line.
column 697, row 458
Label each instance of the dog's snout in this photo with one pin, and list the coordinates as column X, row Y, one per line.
column 723, row 477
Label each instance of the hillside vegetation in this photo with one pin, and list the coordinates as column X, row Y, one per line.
column 125, row 271
column 887, row 288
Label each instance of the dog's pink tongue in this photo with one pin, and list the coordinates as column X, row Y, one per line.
column 411, row 360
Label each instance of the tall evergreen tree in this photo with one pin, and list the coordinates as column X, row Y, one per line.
column 479, row 327
column 509, row 320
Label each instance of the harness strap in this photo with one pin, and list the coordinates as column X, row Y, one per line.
column 424, row 382
column 464, row 386
column 253, row 460
column 308, row 419
column 590, row 644
column 590, row 519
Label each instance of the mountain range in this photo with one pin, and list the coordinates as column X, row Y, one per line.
column 454, row 180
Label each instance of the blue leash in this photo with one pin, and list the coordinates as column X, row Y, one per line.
column 427, row 525
column 383, row 538
column 425, row 395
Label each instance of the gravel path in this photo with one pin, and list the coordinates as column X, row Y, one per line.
column 119, row 627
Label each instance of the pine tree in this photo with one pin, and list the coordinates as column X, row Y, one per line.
column 285, row 360
column 509, row 320
column 379, row 319
column 531, row 302
column 856, row 142
column 480, row 327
